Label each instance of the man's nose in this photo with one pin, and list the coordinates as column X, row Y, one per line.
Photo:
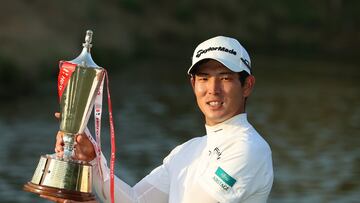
column 214, row 86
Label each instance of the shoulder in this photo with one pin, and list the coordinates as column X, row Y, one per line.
column 246, row 141
column 186, row 147
column 245, row 153
column 242, row 168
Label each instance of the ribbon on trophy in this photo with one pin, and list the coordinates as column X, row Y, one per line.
column 97, row 117
column 66, row 70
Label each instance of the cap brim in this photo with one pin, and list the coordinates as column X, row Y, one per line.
column 229, row 65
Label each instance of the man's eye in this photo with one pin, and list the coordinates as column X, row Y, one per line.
column 225, row 78
column 202, row 78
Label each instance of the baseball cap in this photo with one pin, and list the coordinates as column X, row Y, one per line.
column 225, row 50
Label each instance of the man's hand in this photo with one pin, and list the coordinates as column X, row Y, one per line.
column 60, row 200
column 84, row 150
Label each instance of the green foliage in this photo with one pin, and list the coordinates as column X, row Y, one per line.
column 132, row 5
column 184, row 11
column 139, row 31
column 13, row 82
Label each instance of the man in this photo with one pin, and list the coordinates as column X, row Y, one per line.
column 232, row 163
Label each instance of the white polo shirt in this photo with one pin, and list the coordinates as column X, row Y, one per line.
column 232, row 163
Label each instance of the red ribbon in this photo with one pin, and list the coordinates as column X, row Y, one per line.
column 113, row 147
column 66, row 70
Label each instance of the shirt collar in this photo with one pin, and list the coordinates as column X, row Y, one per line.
column 239, row 120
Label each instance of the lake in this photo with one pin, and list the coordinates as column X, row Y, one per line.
column 307, row 110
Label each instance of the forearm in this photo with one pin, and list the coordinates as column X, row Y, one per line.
column 123, row 192
column 142, row 192
column 198, row 194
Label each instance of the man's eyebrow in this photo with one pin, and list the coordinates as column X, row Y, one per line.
column 201, row 74
column 221, row 73
column 227, row 73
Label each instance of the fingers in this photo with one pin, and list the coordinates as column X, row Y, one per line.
column 59, row 149
column 84, row 150
column 59, row 138
column 59, row 153
column 81, row 138
column 57, row 115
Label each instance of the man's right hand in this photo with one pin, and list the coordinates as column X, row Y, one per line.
column 84, row 150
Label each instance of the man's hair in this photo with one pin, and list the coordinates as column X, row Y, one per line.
column 242, row 77
column 194, row 69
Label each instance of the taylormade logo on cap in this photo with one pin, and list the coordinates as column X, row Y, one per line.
column 225, row 50
column 201, row 51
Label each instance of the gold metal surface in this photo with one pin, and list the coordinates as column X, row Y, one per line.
column 65, row 177
column 68, row 175
column 78, row 98
column 39, row 170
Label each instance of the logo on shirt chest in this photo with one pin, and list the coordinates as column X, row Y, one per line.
column 215, row 151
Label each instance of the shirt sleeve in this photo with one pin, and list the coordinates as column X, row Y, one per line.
column 237, row 176
column 160, row 177
column 142, row 192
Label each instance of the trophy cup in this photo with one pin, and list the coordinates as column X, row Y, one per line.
column 78, row 83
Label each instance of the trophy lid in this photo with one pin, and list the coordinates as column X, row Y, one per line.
column 85, row 58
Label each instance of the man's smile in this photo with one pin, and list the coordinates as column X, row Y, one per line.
column 215, row 104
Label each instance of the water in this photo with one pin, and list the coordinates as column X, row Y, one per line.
column 308, row 111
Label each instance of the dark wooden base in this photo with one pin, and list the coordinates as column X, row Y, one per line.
column 56, row 192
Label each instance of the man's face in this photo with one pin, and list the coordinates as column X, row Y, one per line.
column 218, row 91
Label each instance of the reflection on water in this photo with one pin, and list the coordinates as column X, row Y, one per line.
column 309, row 116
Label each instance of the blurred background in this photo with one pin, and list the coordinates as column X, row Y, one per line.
column 306, row 102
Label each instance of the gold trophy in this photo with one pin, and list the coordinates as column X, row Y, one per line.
column 78, row 83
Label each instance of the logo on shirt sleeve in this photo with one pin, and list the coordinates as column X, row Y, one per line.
column 224, row 180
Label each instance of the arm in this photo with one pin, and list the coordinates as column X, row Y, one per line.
column 242, row 176
column 142, row 192
column 197, row 194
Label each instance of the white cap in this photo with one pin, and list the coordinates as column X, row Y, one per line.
column 225, row 50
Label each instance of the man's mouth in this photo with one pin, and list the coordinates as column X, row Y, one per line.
column 214, row 103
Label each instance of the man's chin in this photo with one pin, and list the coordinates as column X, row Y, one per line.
column 215, row 119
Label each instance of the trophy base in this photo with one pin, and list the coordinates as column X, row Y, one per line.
column 63, row 179
column 59, row 193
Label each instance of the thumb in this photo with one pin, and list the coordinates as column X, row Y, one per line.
column 82, row 139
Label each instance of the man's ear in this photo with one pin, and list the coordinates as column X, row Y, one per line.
column 249, row 85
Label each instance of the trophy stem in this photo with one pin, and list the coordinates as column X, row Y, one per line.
column 69, row 144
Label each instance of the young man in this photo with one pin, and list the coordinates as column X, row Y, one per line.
column 231, row 163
